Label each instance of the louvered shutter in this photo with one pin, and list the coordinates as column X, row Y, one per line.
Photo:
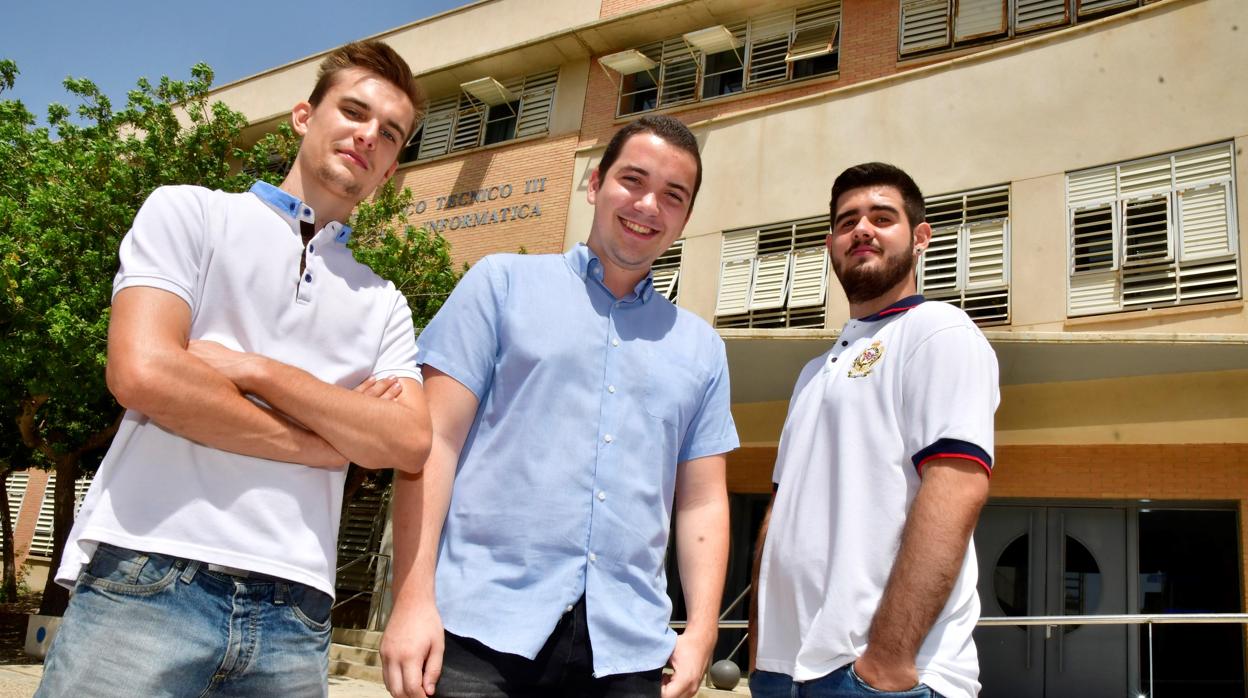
column 678, row 77
column 1204, row 222
column 1146, row 229
column 435, row 135
column 1144, row 177
column 665, row 282
column 536, row 104
column 939, row 262
column 1090, row 7
column 469, row 123
column 771, row 281
column 985, row 255
column 1092, row 239
column 1203, row 165
column 976, row 19
column 810, row 273
column 814, row 31
column 15, row 485
column 1030, row 15
column 924, row 25
column 768, row 46
column 736, row 271
column 41, row 542
column 1094, row 293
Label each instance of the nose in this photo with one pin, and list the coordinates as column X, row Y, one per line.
column 862, row 230
column 366, row 133
column 648, row 203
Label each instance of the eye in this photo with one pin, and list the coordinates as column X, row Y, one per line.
column 389, row 135
column 351, row 112
column 676, row 197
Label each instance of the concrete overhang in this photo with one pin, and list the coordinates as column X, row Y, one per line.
column 764, row 364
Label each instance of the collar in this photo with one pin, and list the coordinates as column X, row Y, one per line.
column 900, row 306
column 291, row 208
column 586, row 265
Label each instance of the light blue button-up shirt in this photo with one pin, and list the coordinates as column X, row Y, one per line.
column 564, row 485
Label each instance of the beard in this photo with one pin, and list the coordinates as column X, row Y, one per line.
column 863, row 283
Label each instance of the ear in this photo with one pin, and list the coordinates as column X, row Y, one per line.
column 594, row 183
column 300, row 114
column 922, row 237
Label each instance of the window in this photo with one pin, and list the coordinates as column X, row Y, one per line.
column 462, row 122
column 666, row 271
column 967, row 261
column 41, row 541
column 766, row 50
column 1153, row 233
column 773, row 276
column 934, row 25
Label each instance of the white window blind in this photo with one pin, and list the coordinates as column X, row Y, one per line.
column 1153, row 232
column 665, row 271
column 462, row 122
column 978, row 19
column 15, row 485
column 773, row 276
column 967, row 261
column 933, row 25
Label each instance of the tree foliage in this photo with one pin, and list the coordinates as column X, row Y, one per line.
column 68, row 194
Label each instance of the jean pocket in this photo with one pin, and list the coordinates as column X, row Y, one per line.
column 130, row 572
column 918, row 691
column 311, row 606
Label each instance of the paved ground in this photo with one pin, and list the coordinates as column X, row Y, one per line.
column 19, row 681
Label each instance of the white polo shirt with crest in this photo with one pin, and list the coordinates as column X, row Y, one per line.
column 914, row 382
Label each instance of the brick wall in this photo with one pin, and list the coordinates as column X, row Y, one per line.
column 491, row 171
column 611, row 8
column 24, row 521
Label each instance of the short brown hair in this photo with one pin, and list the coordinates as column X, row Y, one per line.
column 378, row 59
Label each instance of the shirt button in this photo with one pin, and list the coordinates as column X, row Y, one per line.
column 593, row 557
column 844, row 343
column 311, row 248
column 615, row 342
column 611, row 389
column 307, row 277
column 568, row 609
column 608, row 438
column 602, row 496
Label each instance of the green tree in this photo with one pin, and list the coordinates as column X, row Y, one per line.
column 68, row 193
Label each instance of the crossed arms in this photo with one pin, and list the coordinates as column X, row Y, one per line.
column 197, row 390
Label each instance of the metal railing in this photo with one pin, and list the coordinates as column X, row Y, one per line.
column 1050, row 622
column 381, row 593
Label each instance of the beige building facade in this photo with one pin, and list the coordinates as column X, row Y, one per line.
column 1085, row 172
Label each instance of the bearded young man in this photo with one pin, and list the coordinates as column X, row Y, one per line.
column 255, row 358
column 866, row 575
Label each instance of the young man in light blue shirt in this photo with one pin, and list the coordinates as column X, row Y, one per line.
column 576, row 412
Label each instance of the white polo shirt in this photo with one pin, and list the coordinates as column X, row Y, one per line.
column 235, row 260
column 914, row 382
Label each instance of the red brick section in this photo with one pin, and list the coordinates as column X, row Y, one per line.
column 481, row 172
column 25, row 520
column 611, row 8
column 868, row 50
column 1214, row 472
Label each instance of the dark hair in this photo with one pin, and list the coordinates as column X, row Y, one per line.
column 663, row 126
column 378, row 59
column 870, row 174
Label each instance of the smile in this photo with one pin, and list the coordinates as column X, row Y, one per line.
column 359, row 161
column 638, row 228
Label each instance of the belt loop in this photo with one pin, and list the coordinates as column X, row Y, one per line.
column 192, row 566
column 281, row 592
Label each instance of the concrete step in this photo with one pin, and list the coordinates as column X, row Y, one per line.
column 355, row 655
column 370, row 639
column 340, row 667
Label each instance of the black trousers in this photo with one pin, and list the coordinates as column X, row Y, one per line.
column 564, row 667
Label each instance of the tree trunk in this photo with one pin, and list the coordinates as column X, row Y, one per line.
column 55, row 596
column 6, row 529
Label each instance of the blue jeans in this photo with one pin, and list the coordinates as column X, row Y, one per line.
column 842, row 683
column 142, row 624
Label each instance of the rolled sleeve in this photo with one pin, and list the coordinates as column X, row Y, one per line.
column 950, row 397
column 163, row 248
column 462, row 339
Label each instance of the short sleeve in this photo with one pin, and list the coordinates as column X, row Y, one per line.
column 949, row 396
column 712, row 430
column 397, row 354
column 462, row 339
column 165, row 244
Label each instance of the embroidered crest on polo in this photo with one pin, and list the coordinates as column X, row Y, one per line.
column 866, row 360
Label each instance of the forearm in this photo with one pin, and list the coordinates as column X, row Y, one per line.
column 187, row 397
column 702, row 555
column 933, row 545
column 373, row 433
column 420, row 505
